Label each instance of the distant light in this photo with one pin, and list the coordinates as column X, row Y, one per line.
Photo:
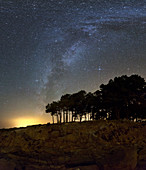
column 23, row 122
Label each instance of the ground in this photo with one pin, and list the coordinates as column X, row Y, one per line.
column 101, row 145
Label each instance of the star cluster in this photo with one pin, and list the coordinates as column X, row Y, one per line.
column 49, row 48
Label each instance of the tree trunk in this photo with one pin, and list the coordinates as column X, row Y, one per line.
column 53, row 119
column 92, row 116
column 60, row 116
column 57, row 117
column 80, row 118
column 85, row 116
column 72, row 116
column 136, row 118
column 67, row 116
column 64, row 116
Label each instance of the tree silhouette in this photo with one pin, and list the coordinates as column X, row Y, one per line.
column 123, row 97
column 65, row 106
column 52, row 109
column 77, row 104
column 123, row 94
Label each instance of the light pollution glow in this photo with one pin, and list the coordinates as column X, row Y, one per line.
column 26, row 121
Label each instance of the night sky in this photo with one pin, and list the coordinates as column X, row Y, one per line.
column 52, row 47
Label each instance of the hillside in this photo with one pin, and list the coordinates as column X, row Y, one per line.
column 108, row 145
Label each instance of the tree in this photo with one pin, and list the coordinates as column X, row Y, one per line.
column 122, row 97
column 93, row 104
column 123, row 94
column 64, row 102
column 77, row 105
column 51, row 108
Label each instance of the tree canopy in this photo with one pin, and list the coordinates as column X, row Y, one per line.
column 122, row 97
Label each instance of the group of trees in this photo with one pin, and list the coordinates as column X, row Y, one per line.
column 123, row 97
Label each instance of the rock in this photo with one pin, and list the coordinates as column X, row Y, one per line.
column 120, row 158
column 71, row 138
column 55, row 134
column 7, row 165
column 141, row 159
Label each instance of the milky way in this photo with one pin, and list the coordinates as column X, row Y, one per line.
column 49, row 48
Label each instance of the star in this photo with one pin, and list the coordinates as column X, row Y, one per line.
column 50, row 48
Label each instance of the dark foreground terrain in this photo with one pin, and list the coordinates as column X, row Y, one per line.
column 101, row 145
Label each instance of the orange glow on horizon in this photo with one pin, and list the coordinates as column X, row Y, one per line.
column 26, row 121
